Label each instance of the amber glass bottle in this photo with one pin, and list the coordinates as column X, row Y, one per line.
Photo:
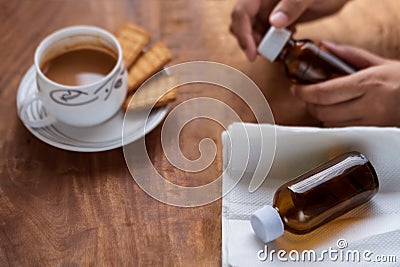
column 305, row 62
column 318, row 196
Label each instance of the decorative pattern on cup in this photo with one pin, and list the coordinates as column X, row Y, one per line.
column 74, row 97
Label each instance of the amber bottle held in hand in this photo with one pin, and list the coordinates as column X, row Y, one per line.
column 305, row 61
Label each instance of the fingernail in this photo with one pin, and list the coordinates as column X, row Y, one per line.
column 249, row 57
column 327, row 43
column 293, row 89
column 247, row 53
column 251, row 52
column 279, row 19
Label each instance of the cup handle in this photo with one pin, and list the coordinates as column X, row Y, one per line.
column 42, row 121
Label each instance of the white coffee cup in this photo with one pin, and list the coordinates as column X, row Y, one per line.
column 82, row 105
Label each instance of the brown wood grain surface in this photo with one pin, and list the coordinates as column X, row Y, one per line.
column 78, row 209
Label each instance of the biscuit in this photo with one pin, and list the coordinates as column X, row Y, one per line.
column 147, row 65
column 149, row 95
column 132, row 39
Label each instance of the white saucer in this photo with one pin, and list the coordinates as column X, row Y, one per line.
column 105, row 136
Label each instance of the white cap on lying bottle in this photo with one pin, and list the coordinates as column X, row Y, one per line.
column 273, row 42
column 267, row 223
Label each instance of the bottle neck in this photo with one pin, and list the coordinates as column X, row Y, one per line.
column 289, row 45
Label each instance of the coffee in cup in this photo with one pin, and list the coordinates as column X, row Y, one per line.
column 79, row 67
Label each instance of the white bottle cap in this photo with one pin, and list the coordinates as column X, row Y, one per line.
column 267, row 223
column 273, row 42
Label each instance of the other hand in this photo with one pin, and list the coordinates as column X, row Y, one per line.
column 370, row 96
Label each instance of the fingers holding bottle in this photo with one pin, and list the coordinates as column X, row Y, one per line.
column 368, row 97
column 249, row 21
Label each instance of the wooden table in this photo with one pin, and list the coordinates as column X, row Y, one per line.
column 66, row 208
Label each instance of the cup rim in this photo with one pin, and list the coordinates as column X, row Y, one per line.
column 49, row 39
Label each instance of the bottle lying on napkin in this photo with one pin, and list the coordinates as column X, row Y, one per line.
column 317, row 197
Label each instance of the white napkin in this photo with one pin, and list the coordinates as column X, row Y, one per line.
column 374, row 226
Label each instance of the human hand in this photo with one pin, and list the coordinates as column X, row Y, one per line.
column 252, row 18
column 370, row 96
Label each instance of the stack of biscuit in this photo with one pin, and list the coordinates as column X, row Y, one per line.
column 141, row 65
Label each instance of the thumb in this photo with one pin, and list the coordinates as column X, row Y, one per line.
column 357, row 57
column 288, row 11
